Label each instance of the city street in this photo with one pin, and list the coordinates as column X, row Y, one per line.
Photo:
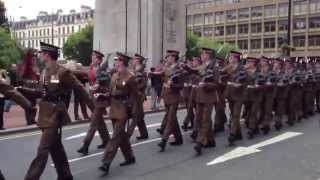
column 292, row 154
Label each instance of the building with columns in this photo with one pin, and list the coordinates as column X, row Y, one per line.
column 53, row 28
column 259, row 26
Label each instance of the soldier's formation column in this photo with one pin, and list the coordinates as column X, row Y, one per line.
column 143, row 26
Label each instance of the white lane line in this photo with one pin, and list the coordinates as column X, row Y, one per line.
column 101, row 153
column 244, row 151
column 11, row 137
column 96, row 134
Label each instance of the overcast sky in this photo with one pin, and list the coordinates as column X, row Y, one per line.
column 30, row 8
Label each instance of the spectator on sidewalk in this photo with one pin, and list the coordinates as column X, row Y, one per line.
column 156, row 86
column 3, row 77
column 14, row 81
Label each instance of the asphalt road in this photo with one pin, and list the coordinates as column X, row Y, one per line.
column 281, row 158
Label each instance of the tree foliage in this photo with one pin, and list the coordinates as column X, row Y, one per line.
column 79, row 46
column 9, row 51
column 195, row 43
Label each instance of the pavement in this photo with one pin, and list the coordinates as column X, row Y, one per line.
column 291, row 154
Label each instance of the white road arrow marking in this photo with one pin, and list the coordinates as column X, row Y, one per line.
column 244, row 151
column 84, row 134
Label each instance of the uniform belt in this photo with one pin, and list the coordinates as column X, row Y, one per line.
column 121, row 98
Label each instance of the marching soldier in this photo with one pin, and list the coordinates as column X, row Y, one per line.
column 282, row 90
column 186, row 95
column 235, row 93
column 206, row 98
column 268, row 94
column 293, row 97
column 191, row 102
column 124, row 94
column 171, row 96
column 53, row 114
column 220, row 116
column 100, row 82
column 254, row 95
column 138, row 65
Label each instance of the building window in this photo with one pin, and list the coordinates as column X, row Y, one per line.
column 299, row 41
column 314, row 6
column 68, row 30
column 40, row 32
column 243, row 44
column 283, row 9
column 63, row 30
column 189, row 20
column 270, row 11
column 59, row 30
column 48, row 32
column 269, row 43
column 197, row 31
column 59, row 42
column 300, row 7
column 243, row 28
column 231, row 42
column 28, row 35
column 208, row 18
column 79, row 27
column 314, row 40
column 231, row 30
column 256, row 12
column 256, row 28
column 231, row 15
column 198, row 19
column 314, row 22
column 283, row 25
column 255, row 43
column 72, row 29
column 299, row 24
column 207, row 32
column 270, row 26
column 219, row 17
column 32, row 33
column 37, row 33
column 219, row 31
column 244, row 13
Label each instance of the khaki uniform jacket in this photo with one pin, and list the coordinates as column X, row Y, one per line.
column 56, row 78
column 122, row 86
column 169, row 94
column 207, row 93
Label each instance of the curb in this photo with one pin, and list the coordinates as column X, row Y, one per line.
column 34, row 127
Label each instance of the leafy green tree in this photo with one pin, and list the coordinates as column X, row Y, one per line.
column 195, row 43
column 9, row 51
column 79, row 46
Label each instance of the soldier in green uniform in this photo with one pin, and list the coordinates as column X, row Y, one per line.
column 124, row 94
column 100, row 94
column 54, row 81
column 206, row 98
column 171, row 97
column 235, row 93
column 138, row 65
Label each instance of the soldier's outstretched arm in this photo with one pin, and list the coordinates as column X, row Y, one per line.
column 9, row 91
column 70, row 81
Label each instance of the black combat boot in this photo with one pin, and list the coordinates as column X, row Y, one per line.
column 103, row 145
column 84, row 150
column 162, row 145
column 128, row 162
column 198, row 149
column 105, row 168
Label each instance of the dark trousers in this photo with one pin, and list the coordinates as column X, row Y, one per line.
column 138, row 121
column 204, row 122
column 50, row 143
column 190, row 112
column 97, row 123
column 120, row 140
column 79, row 101
column 1, row 112
column 172, row 126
